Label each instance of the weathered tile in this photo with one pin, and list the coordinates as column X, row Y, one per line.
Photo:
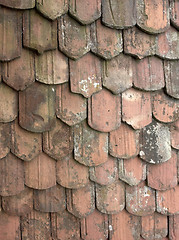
column 85, row 75
column 51, row 67
column 154, row 143
column 104, row 111
column 19, row 4
column 38, row 32
column 4, row 139
column 11, row 175
column 70, row 107
column 174, row 13
column 136, row 108
column 110, row 199
column 71, row 174
column 138, row 43
column 85, row 11
column 73, row 43
column 37, row 107
column 174, row 227
column 123, row 142
column 132, row 171
column 90, row 146
column 106, row 42
column 50, row 200
column 40, row 173
column 175, row 135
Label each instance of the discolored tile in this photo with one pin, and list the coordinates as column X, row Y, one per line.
column 174, row 13
column 4, row 139
column 175, row 134
column 19, row 4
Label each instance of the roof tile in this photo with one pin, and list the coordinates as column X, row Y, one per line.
column 174, row 227
column 21, row 4
column 175, row 135
column 174, row 14
column 4, row 139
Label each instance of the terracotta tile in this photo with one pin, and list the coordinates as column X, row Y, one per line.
column 21, row 4
column 105, row 173
column 168, row 44
column 136, row 108
column 25, row 145
column 132, row 171
column 174, row 227
column 118, row 73
column 175, row 135
column 104, row 111
column 73, row 43
column 90, row 146
column 123, row 142
column 106, row 42
column 174, row 13
column 153, row 17
column 167, row 201
column 81, row 202
column 165, row 109
column 154, row 226
column 40, row 173
column 154, row 142
column 8, row 103
column 51, row 67
column 94, row 226
column 58, row 142
column 70, row 107
column 11, row 175
column 148, row 74
column 38, row 32
column 138, row 43
column 9, row 227
column 78, row 10
column 37, row 107
column 85, row 75
column 171, row 69
column 20, row 204
column 129, row 226
column 110, row 199
column 140, row 199
column 71, row 174
column 163, row 176
column 50, row 200
column 4, row 139
column 53, row 8
column 119, row 14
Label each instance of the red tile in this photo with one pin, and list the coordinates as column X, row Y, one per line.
column 11, row 175
column 104, row 111
column 167, row 201
column 71, row 174
column 50, row 200
column 110, row 199
column 58, row 142
column 73, row 43
column 25, row 145
column 38, row 32
column 40, row 173
column 90, row 146
column 106, row 42
column 175, row 135
column 51, row 67
column 37, row 107
column 21, row 4
column 78, row 10
column 70, row 107
column 53, row 8
column 85, row 75
column 119, row 14
column 124, row 142
column 154, row 226
column 132, row 171
column 174, row 227
column 138, row 43
column 4, row 139
column 118, row 73
column 140, row 199
column 136, row 108
column 174, row 13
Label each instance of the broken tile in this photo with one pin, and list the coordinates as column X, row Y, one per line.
column 40, row 173
column 51, row 67
column 90, row 146
column 106, row 42
column 85, row 75
column 123, row 142
column 174, row 13
column 38, row 32
column 136, row 108
column 118, row 73
column 174, row 227
column 19, row 4
column 71, row 108
column 37, row 107
column 4, row 139
column 73, row 43
column 175, row 135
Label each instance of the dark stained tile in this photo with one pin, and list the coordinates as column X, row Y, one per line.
column 174, row 227
column 174, row 13
column 175, row 135
column 4, row 139
column 19, row 4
